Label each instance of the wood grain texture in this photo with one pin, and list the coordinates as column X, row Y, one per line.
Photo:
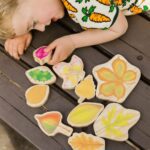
column 14, row 82
column 134, row 44
column 22, row 115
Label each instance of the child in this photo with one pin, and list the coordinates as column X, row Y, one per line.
column 102, row 21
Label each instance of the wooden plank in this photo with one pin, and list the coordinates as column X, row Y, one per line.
column 16, row 86
column 25, row 127
column 35, row 138
column 95, row 59
column 55, row 103
column 129, row 45
column 72, row 94
column 138, row 35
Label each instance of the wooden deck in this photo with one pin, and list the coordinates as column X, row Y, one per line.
column 134, row 45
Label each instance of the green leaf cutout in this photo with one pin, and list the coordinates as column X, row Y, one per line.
column 40, row 75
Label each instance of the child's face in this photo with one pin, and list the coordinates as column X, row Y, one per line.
column 36, row 14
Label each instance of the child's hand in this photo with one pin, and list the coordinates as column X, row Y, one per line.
column 16, row 46
column 62, row 48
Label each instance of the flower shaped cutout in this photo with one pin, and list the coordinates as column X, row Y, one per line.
column 72, row 73
column 116, row 79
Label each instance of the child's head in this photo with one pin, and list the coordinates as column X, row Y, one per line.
column 7, row 7
column 20, row 16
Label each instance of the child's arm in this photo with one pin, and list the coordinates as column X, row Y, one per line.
column 97, row 36
column 64, row 46
column 16, row 46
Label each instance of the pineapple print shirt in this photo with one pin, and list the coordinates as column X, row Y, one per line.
column 102, row 13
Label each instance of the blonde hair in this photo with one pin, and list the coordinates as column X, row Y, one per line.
column 7, row 9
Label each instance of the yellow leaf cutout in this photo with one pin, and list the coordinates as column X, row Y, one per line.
column 85, row 89
column 116, row 79
column 115, row 121
column 84, row 114
column 83, row 141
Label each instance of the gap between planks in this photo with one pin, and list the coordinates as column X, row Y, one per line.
column 102, row 50
column 56, row 88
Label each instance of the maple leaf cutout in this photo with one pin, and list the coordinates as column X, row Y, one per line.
column 83, row 141
column 115, row 121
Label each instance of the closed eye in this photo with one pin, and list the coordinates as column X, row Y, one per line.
column 34, row 24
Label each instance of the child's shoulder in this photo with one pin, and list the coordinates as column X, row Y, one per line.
column 102, row 13
column 92, row 13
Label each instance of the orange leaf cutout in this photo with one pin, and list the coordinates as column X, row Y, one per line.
column 37, row 95
column 116, row 79
column 83, row 141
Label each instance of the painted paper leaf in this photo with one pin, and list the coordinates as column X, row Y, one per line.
column 86, row 85
column 84, row 114
column 115, row 121
column 83, row 141
column 37, row 95
column 71, row 73
column 116, row 79
column 49, row 122
column 41, row 75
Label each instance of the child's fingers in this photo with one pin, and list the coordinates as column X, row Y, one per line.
column 16, row 55
column 21, row 48
column 8, row 45
column 28, row 41
column 10, row 49
column 50, row 47
column 55, row 58
column 15, row 51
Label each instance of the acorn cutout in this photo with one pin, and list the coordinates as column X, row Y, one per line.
column 85, row 89
column 41, row 75
column 84, row 141
column 37, row 95
column 84, row 114
column 51, row 124
column 40, row 56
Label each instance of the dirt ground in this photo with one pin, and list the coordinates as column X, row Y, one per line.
column 11, row 140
